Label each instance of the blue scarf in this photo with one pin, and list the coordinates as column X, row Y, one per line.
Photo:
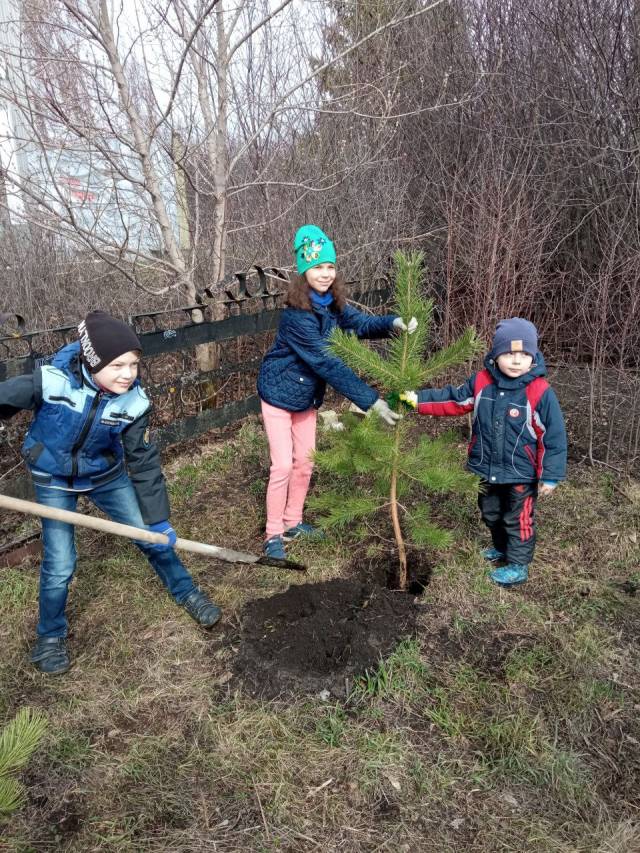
column 320, row 299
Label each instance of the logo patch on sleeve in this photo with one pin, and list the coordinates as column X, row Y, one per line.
column 146, row 438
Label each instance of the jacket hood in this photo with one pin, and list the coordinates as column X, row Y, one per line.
column 68, row 359
column 538, row 368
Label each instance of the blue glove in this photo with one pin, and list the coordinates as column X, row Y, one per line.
column 167, row 529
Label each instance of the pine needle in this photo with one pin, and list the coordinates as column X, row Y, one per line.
column 12, row 795
column 19, row 740
column 361, row 358
column 461, row 350
column 340, row 510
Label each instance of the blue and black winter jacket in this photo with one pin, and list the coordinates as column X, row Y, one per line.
column 295, row 371
column 81, row 437
column 512, row 441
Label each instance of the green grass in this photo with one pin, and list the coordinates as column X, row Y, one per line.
column 71, row 751
column 18, row 588
column 527, row 696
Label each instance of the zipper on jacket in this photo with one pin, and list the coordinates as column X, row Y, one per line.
column 83, row 433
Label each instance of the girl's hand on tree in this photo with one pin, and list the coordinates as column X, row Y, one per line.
column 383, row 411
column 400, row 326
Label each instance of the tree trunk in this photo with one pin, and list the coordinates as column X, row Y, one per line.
column 393, row 496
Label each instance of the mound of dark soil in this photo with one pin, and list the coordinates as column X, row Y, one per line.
column 319, row 636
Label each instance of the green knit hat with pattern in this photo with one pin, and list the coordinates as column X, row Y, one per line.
column 312, row 247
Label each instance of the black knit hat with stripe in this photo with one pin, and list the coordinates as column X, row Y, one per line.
column 103, row 339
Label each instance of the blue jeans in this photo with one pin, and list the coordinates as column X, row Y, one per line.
column 117, row 499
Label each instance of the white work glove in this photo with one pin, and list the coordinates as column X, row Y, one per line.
column 383, row 411
column 400, row 326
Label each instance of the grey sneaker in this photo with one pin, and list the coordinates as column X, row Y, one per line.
column 50, row 655
column 200, row 607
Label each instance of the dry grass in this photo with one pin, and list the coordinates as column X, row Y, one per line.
column 508, row 723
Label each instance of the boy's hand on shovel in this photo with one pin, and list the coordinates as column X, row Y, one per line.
column 167, row 530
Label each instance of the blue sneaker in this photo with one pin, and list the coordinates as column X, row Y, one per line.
column 303, row 529
column 492, row 555
column 274, row 548
column 510, row 575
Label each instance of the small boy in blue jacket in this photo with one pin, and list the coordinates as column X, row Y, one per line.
column 518, row 444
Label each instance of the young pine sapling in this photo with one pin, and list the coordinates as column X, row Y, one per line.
column 377, row 469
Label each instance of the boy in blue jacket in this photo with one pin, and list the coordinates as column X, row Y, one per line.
column 518, row 444
column 90, row 435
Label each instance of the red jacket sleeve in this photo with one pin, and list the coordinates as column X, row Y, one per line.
column 447, row 401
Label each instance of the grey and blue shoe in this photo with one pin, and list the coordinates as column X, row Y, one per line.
column 510, row 575
column 50, row 655
column 200, row 607
column 274, row 548
column 303, row 529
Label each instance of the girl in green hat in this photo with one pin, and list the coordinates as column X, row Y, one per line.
column 295, row 372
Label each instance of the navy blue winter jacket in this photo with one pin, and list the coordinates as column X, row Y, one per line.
column 81, row 437
column 295, row 371
column 510, row 443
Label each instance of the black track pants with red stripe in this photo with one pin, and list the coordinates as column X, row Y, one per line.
column 508, row 510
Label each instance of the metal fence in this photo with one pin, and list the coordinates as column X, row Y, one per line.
column 187, row 401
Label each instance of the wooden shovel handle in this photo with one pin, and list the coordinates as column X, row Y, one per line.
column 142, row 535
column 80, row 520
column 104, row 525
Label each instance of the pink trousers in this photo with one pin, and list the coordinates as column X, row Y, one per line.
column 292, row 437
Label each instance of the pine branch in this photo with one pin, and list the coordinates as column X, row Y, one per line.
column 12, row 795
column 362, row 358
column 408, row 276
column 442, row 450
column 410, row 303
column 430, row 535
column 340, row 510
column 442, row 480
column 363, row 447
column 461, row 350
column 19, row 740
column 437, row 464
column 423, row 531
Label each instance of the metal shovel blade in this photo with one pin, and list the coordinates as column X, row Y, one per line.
column 281, row 564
